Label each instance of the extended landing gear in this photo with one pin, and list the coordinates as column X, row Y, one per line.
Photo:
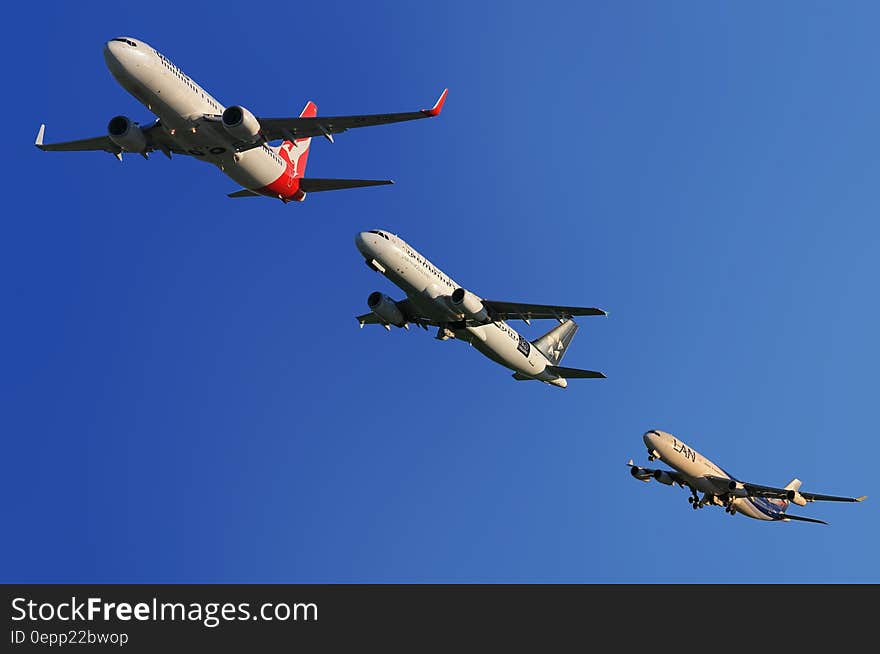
column 695, row 501
column 444, row 333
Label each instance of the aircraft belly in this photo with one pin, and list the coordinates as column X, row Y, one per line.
column 703, row 484
column 423, row 305
column 404, row 275
column 254, row 169
column 160, row 93
column 745, row 507
column 497, row 345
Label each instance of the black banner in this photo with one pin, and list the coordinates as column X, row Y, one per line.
column 169, row 618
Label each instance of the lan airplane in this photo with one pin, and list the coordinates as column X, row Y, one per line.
column 435, row 299
column 720, row 488
column 191, row 122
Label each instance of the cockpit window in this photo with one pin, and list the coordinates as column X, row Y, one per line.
column 378, row 233
column 131, row 43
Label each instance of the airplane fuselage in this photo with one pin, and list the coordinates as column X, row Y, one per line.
column 694, row 467
column 182, row 106
column 428, row 290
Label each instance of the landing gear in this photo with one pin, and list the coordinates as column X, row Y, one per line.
column 444, row 333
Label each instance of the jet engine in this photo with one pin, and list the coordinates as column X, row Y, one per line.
column 642, row 474
column 241, row 124
column 384, row 307
column 663, row 477
column 736, row 489
column 126, row 134
column 468, row 304
column 796, row 498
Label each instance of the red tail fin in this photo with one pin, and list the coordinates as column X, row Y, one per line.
column 310, row 111
column 298, row 151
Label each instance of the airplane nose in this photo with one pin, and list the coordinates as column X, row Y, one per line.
column 112, row 51
column 361, row 240
column 651, row 438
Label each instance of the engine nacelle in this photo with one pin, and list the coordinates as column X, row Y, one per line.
column 663, row 477
column 736, row 489
column 468, row 304
column 384, row 307
column 241, row 124
column 640, row 473
column 796, row 498
column 126, row 134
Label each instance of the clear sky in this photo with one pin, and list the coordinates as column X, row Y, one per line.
column 187, row 396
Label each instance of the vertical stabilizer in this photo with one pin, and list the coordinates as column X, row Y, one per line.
column 297, row 151
column 554, row 343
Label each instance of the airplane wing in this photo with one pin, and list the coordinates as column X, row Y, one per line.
column 757, row 490
column 97, row 143
column 327, row 126
column 155, row 136
column 507, row 310
column 408, row 312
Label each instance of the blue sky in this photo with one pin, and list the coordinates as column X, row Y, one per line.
column 187, row 396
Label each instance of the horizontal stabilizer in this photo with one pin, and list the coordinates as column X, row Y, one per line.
column 574, row 373
column 244, row 193
column 799, row 518
column 311, row 185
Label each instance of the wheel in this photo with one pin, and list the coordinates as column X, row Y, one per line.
column 690, row 500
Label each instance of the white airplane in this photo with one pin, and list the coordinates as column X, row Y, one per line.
column 720, row 488
column 435, row 299
column 191, row 122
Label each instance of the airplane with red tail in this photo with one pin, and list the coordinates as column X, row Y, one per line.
column 191, row 122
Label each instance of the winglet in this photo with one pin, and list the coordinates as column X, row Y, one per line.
column 862, row 498
column 39, row 140
column 438, row 106
column 630, row 462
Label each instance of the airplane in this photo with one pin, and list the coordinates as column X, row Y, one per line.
column 719, row 487
column 436, row 300
column 192, row 123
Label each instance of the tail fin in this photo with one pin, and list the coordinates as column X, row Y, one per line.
column 298, row 150
column 554, row 343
